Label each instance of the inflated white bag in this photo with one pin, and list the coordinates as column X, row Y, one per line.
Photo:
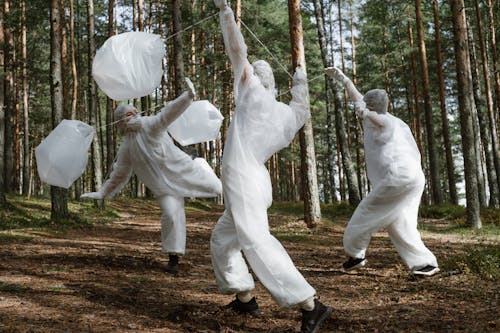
column 129, row 65
column 62, row 156
column 199, row 123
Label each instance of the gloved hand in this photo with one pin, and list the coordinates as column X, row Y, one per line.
column 221, row 4
column 190, row 88
column 336, row 73
column 300, row 76
column 93, row 195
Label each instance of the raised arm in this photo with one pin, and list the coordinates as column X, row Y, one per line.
column 173, row 109
column 355, row 96
column 233, row 40
column 299, row 92
column 120, row 175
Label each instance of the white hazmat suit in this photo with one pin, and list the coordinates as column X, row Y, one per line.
column 149, row 152
column 395, row 173
column 260, row 127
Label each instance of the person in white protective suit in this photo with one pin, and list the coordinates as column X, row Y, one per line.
column 395, row 173
column 260, row 127
column 149, row 152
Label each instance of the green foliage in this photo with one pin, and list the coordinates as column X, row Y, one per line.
column 445, row 211
column 481, row 260
column 35, row 213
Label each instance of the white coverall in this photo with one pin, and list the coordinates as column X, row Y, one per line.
column 260, row 127
column 395, row 173
column 149, row 152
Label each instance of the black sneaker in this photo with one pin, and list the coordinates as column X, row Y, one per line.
column 173, row 264
column 251, row 307
column 428, row 270
column 311, row 320
column 354, row 263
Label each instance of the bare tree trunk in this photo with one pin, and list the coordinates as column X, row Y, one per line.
column 2, row 115
column 312, row 212
column 429, row 123
column 92, row 106
column 496, row 66
column 482, row 141
column 352, row 181
column 466, row 104
column 495, row 173
column 417, row 124
column 110, row 151
column 59, row 196
column 8, row 100
column 178, row 55
column 26, row 139
column 450, row 167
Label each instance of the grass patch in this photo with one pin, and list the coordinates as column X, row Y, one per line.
column 12, row 288
column 198, row 205
column 481, row 260
column 22, row 213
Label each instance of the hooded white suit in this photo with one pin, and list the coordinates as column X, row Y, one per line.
column 394, row 170
column 166, row 170
column 260, row 127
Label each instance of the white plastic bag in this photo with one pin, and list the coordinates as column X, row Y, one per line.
column 128, row 65
column 199, row 123
column 63, row 155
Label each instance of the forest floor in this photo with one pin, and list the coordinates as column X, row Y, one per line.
column 107, row 275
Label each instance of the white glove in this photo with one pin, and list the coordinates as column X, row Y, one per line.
column 93, row 195
column 190, row 88
column 336, row 73
column 300, row 77
column 221, row 4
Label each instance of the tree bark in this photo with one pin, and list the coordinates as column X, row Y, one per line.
column 494, row 199
column 178, row 55
column 59, row 196
column 352, row 181
column 431, row 144
column 8, row 82
column 450, row 167
column 92, row 105
column 110, row 151
column 496, row 67
column 482, row 137
column 26, row 138
column 312, row 212
column 2, row 115
column 465, row 101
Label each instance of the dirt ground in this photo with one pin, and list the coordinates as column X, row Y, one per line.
column 111, row 278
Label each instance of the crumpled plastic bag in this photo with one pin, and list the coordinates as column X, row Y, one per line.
column 199, row 123
column 129, row 65
column 63, row 155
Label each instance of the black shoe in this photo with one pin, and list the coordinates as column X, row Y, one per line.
column 311, row 320
column 173, row 264
column 354, row 263
column 428, row 270
column 250, row 307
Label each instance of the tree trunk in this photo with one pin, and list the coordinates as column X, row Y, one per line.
column 2, row 116
column 59, row 196
column 8, row 47
column 110, row 151
column 312, row 212
column 496, row 67
column 450, row 167
column 483, row 140
column 92, row 105
column 494, row 199
column 178, row 56
column 417, row 118
column 352, row 181
column 465, row 100
column 429, row 123
column 26, row 139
